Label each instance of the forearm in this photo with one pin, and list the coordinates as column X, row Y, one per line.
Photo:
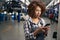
column 37, row 31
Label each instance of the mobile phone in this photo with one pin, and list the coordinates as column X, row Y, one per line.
column 45, row 27
column 47, row 24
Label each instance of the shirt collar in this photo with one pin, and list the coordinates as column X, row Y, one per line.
column 30, row 19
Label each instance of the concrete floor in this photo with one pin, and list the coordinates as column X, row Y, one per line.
column 12, row 30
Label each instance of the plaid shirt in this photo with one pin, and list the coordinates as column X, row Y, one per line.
column 29, row 27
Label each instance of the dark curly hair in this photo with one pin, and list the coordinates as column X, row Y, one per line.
column 32, row 7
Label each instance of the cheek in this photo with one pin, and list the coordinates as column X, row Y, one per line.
column 38, row 13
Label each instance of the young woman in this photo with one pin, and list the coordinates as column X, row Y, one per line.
column 34, row 27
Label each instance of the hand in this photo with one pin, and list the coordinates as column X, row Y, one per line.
column 42, row 29
column 37, row 31
column 46, row 28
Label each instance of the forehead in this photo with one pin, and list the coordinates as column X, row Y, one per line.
column 38, row 8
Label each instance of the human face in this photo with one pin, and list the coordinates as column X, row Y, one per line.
column 37, row 11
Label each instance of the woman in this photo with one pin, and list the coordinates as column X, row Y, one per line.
column 34, row 27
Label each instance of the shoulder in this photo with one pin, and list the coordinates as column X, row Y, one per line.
column 43, row 21
column 26, row 22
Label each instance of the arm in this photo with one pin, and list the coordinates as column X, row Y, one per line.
column 45, row 26
column 27, row 31
column 38, row 30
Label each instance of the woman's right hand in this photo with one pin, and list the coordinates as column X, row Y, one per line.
column 41, row 29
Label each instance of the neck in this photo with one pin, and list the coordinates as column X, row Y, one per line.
column 35, row 19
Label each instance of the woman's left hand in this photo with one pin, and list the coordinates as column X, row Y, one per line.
column 46, row 28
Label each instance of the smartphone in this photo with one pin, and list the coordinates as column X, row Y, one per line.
column 45, row 27
column 47, row 24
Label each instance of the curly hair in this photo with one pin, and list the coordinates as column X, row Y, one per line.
column 32, row 7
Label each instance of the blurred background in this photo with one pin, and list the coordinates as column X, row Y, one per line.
column 13, row 13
